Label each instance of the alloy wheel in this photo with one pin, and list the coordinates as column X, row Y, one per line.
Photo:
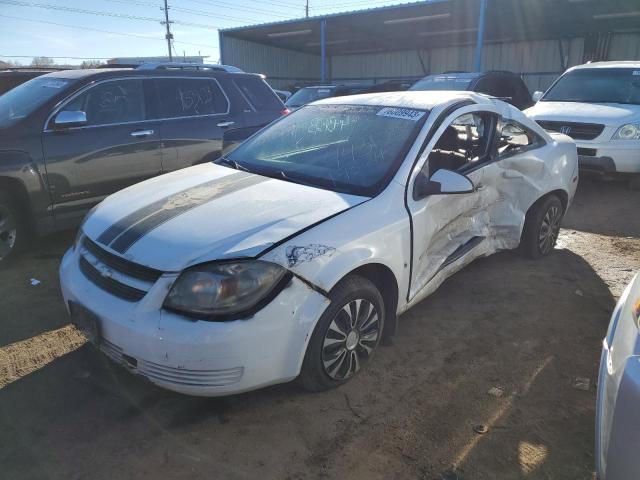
column 350, row 339
column 8, row 231
column 549, row 229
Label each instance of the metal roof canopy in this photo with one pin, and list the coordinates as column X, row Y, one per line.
column 437, row 23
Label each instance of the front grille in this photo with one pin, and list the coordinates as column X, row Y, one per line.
column 587, row 152
column 110, row 285
column 120, row 264
column 577, row 131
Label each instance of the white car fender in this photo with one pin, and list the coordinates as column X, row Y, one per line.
column 375, row 232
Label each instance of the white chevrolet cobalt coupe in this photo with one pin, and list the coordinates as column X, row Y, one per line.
column 293, row 255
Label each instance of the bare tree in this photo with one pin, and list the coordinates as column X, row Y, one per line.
column 91, row 64
column 42, row 62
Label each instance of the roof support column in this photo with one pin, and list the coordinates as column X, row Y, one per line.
column 221, row 46
column 323, row 50
column 477, row 62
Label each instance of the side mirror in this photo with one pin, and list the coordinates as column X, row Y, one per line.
column 442, row 182
column 70, row 118
column 537, row 95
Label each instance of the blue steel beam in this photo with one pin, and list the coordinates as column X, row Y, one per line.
column 323, row 50
column 477, row 62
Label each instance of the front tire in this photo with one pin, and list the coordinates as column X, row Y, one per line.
column 346, row 335
column 12, row 232
column 541, row 228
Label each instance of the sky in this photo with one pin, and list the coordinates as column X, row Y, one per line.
column 55, row 28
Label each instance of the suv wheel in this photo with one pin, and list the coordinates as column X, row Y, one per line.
column 541, row 227
column 346, row 335
column 11, row 232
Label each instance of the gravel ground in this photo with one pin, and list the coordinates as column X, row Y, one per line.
column 500, row 344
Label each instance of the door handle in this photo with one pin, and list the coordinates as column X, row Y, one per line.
column 480, row 186
column 141, row 133
column 226, row 124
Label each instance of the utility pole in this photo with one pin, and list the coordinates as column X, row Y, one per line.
column 168, row 35
column 306, row 10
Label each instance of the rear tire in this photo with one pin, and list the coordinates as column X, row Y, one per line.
column 346, row 335
column 541, row 227
column 13, row 235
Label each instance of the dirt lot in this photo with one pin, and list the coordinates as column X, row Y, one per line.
column 529, row 328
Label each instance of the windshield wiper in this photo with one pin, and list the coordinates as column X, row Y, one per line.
column 232, row 164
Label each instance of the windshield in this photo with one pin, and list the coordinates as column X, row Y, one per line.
column 345, row 148
column 308, row 95
column 597, row 85
column 19, row 102
column 442, row 82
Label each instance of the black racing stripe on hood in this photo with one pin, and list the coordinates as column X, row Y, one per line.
column 115, row 230
column 181, row 203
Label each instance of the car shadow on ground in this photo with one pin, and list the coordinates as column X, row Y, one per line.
column 597, row 201
column 502, row 321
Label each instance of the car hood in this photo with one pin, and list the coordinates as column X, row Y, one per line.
column 609, row 114
column 207, row 212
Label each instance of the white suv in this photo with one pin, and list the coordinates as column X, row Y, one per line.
column 598, row 105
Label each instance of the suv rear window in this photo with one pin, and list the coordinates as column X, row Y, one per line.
column 258, row 94
column 190, row 97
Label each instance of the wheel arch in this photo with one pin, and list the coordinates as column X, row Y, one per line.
column 562, row 195
column 16, row 189
column 387, row 284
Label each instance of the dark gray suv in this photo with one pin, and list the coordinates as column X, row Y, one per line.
column 70, row 138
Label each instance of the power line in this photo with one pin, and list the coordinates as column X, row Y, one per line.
column 179, row 9
column 90, row 29
column 104, row 14
column 49, row 56
column 376, row 3
column 240, row 9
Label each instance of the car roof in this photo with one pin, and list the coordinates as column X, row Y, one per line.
column 619, row 64
column 84, row 72
column 424, row 100
column 144, row 72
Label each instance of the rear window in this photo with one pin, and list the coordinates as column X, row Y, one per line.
column 443, row 82
column 258, row 94
column 190, row 97
column 308, row 95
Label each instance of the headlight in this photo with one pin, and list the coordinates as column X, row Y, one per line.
column 220, row 291
column 630, row 131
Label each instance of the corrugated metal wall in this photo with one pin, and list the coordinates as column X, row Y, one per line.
column 540, row 62
column 280, row 66
column 625, row 46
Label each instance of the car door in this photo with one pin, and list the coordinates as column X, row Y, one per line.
column 447, row 229
column 117, row 146
column 194, row 113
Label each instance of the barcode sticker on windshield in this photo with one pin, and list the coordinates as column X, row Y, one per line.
column 404, row 113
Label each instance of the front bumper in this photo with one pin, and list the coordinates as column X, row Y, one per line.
column 198, row 357
column 616, row 156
